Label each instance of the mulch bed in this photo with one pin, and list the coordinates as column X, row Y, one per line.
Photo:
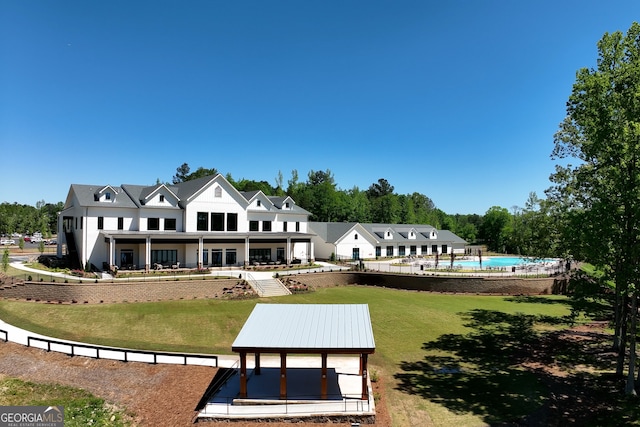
column 156, row 395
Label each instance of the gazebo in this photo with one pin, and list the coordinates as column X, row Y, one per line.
column 323, row 329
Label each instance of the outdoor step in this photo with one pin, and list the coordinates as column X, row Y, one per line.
column 272, row 287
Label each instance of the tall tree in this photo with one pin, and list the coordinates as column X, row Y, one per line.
column 494, row 227
column 183, row 173
column 600, row 197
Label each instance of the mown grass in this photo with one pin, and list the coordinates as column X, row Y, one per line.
column 416, row 334
column 81, row 408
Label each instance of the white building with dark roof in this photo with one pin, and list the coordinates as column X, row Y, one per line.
column 199, row 223
column 354, row 240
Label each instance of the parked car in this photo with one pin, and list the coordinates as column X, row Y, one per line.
column 5, row 242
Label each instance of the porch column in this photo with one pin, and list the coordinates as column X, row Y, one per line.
column 243, row 375
column 311, row 251
column 112, row 251
column 147, row 253
column 246, row 250
column 288, row 250
column 200, row 248
column 283, row 375
column 365, row 376
column 323, row 379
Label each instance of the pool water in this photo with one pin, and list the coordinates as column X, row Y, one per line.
column 500, row 262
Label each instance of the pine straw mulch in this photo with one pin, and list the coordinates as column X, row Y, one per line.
column 155, row 395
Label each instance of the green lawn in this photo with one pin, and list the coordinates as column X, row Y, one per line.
column 434, row 352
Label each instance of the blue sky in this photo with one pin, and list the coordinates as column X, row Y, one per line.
column 458, row 100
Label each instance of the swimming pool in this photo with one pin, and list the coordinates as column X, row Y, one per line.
column 499, row 262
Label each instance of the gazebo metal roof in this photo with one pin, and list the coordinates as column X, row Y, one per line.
column 307, row 328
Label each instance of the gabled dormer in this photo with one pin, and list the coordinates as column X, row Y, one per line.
column 385, row 233
column 408, row 233
column 283, row 203
column 159, row 195
column 258, row 201
column 106, row 194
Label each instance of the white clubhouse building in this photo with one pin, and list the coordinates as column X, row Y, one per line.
column 208, row 223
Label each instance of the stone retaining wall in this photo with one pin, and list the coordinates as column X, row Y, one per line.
column 446, row 284
column 93, row 293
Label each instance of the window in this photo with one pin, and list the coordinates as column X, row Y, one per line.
column 120, row 223
column 202, row 222
column 153, row 223
column 107, row 196
column 230, row 257
column 217, row 192
column 413, row 250
column 378, row 251
column 259, row 255
column 401, row 250
column 266, row 225
column 355, row 237
column 445, row 249
column 253, row 225
column 297, row 226
column 389, row 250
column 100, row 223
column 258, row 203
column 216, row 257
column 280, row 254
column 355, row 253
column 164, row 256
column 217, row 221
column 170, row 224
column 162, row 198
column 424, row 249
column 286, row 205
column 232, row 222
column 434, row 249
column 284, row 226
column 81, row 222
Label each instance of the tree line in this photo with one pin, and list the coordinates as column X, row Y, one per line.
column 501, row 230
column 27, row 219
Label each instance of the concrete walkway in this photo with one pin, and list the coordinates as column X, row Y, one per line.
column 257, row 274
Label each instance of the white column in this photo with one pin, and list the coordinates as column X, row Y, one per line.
column 112, row 251
column 246, row 250
column 288, row 260
column 311, row 251
column 200, row 248
column 147, row 253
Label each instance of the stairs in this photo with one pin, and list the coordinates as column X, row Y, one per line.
column 267, row 287
column 74, row 258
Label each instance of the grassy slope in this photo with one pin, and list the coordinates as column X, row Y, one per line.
column 403, row 322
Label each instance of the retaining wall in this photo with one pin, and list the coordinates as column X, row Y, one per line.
column 446, row 284
column 92, row 293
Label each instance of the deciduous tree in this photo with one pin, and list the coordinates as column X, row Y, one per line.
column 600, row 195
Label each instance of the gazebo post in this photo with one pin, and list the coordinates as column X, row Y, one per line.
column 323, row 379
column 283, row 375
column 257, row 370
column 243, row 375
column 364, row 373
